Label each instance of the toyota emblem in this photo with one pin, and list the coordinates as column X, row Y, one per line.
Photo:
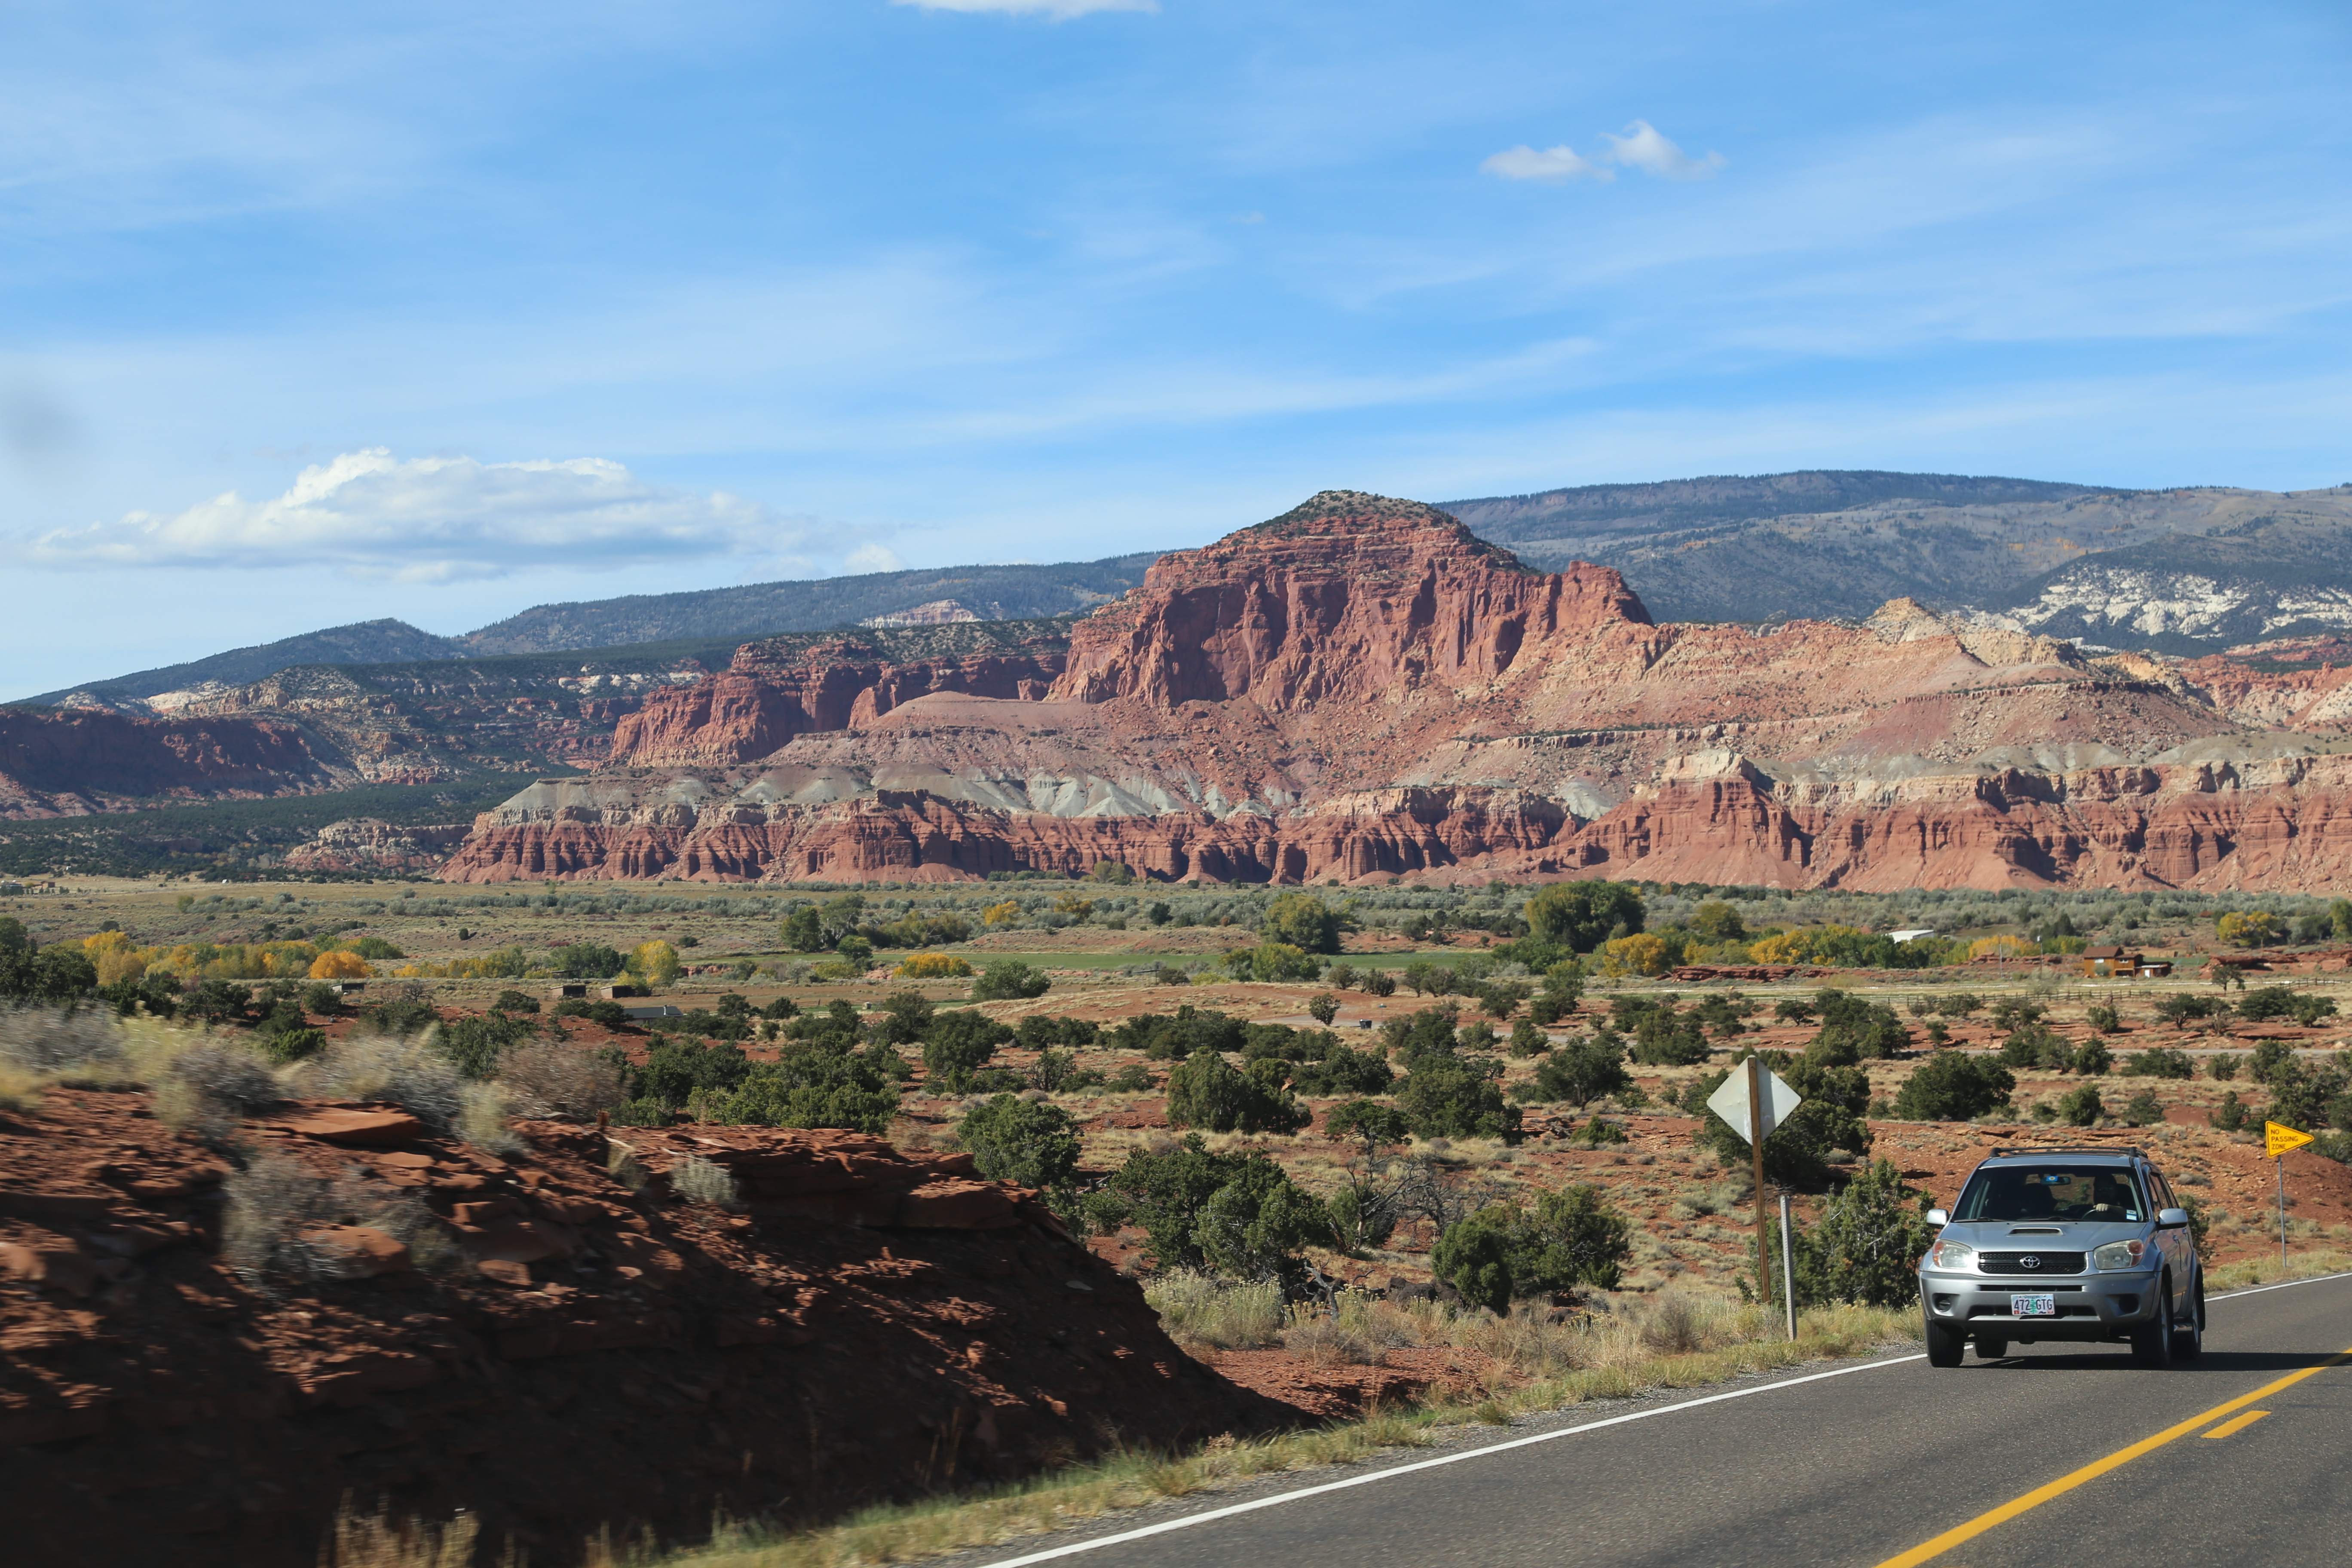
column 2029, row 1261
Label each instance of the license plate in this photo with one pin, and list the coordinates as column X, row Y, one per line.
column 2041, row 1306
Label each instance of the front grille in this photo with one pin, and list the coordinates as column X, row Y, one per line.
column 2066, row 1309
column 2044, row 1263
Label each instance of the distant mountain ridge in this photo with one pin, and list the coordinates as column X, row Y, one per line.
column 741, row 614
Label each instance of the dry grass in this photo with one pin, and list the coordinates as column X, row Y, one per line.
column 1199, row 1311
column 2267, row 1270
column 553, row 1077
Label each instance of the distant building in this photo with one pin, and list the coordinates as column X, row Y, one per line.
column 568, row 990
column 1911, row 935
column 2116, row 963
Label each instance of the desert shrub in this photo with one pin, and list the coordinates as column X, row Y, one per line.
column 1582, row 1070
column 2032, row 1046
column 1854, row 1030
column 2082, row 1106
column 1272, row 961
column 1014, row 1140
column 2159, row 1061
column 2182, row 1007
column 1205, row 1091
column 408, row 1010
column 1958, row 1004
column 810, row 1086
column 2223, row 1066
column 675, row 1069
column 1171, row 1036
column 1342, row 1071
column 2014, row 1013
column 586, row 961
column 1301, row 920
column 548, row 1077
column 2103, row 1018
column 1369, row 1120
column 1954, row 1087
column 1476, row 1036
column 1009, row 980
column 473, row 1044
column 1528, row 1039
column 274, row 1199
column 1866, row 1246
column 1237, row 1214
column 700, row 1181
column 905, row 1018
column 1573, row 1237
column 1323, row 1007
column 405, row 1072
column 2143, row 1110
column 2230, row 1116
column 1444, row 1097
column 1664, row 1037
column 1380, row 983
column 1132, row 1079
column 959, row 1044
column 2092, row 1058
column 1580, row 916
column 507, row 1002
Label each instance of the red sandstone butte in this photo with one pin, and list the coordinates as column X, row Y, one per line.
column 1360, row 689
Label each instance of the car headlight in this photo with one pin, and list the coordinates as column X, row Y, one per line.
column 2119, row 1255
column 1951, row 1254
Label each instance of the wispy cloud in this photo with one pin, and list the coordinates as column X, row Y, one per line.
column 433, row 519
column 1642, row 147
column 1057, row 10
column 1553, row 164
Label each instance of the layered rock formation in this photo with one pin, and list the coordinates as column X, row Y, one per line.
column 370, row 844
column 1361, row 688
column 66, row 762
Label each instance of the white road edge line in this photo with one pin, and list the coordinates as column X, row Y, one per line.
column 2283, row 1285
column 1073, row 1548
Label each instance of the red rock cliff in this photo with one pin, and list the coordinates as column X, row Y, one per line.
column 49, row 757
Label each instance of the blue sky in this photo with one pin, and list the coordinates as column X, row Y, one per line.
column 313, row 314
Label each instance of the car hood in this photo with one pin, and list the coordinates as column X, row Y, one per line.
column 2078, row 1236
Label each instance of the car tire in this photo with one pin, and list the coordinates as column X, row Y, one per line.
column 2152, row 1342
column 1946, row 1344
column 1991, row 1350
column 2188, row 1340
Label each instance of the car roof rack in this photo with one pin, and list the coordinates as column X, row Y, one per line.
column 2110, row 1151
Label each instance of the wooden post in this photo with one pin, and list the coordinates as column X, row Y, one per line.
column 1756, row 1150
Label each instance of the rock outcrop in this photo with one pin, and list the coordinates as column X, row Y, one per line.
column 1360, row 688
column 869, row 1325
column 370, row 844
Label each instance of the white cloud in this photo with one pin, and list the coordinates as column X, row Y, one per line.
column 872, row 558
column 433, row 519
column 1640, row 148
column 1643, row 148
column 1058, row 10
column 1556, row 163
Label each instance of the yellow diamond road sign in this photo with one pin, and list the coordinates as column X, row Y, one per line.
column 2277, row 1140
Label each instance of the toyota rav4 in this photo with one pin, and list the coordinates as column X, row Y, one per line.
column 2063, row 1244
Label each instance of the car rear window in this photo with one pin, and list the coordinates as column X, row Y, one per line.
column 2027, row 1193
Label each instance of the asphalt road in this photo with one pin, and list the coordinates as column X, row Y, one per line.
column 1867, row 1468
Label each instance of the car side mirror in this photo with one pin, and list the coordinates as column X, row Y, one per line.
column 2171, row 1219
column 1937, row 1216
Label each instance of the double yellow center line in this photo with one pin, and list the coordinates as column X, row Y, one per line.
column 1929, row 1550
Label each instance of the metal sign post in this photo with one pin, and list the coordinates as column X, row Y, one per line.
column 1757, row 1132
column 1788, row 1268
column 1753, row 1101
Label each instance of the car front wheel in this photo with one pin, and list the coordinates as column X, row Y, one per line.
column 2152, row 1342
column 2189, row 1338
column 1946, row 1344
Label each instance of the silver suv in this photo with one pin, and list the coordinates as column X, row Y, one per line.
column 2063, row 1244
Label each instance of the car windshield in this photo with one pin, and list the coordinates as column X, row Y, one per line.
column 2027, row 1193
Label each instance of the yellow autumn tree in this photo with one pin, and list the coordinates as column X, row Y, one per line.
column 932, row 966
column 655, row 962
column 340, row 965
column 998, row 914
column 1642, row 954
